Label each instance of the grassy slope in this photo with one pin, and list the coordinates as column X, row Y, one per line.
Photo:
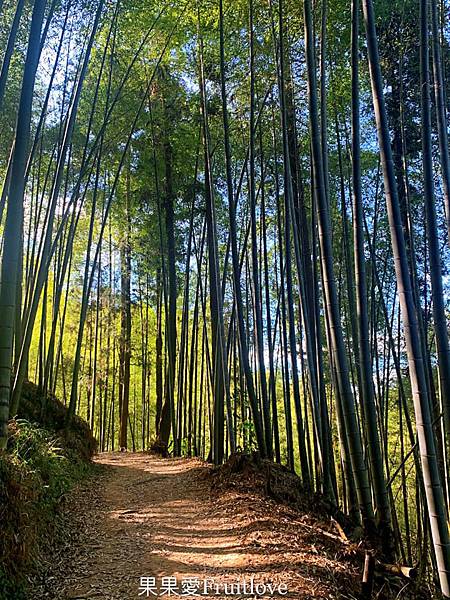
column 41, row 464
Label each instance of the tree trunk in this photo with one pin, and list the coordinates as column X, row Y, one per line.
column 424, row 425
column 125, row 323
column 13, row 236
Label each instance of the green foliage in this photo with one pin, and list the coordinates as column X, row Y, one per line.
column 37, row 470
column 43, row 454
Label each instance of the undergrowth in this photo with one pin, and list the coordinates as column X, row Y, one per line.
column 41, row 464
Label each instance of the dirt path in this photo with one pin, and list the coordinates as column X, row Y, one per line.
column 150, row 517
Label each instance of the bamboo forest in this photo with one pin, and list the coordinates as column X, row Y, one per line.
column 224, row 299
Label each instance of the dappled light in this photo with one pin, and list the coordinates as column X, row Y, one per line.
column 224, row 299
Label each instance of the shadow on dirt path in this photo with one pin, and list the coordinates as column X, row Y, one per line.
column 155, row 518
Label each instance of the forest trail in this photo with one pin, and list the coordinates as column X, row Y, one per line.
column 155, row 517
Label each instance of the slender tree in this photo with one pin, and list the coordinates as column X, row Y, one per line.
column 422, row 406
column 365, row 359
column 13, row 233
column 336, row 338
